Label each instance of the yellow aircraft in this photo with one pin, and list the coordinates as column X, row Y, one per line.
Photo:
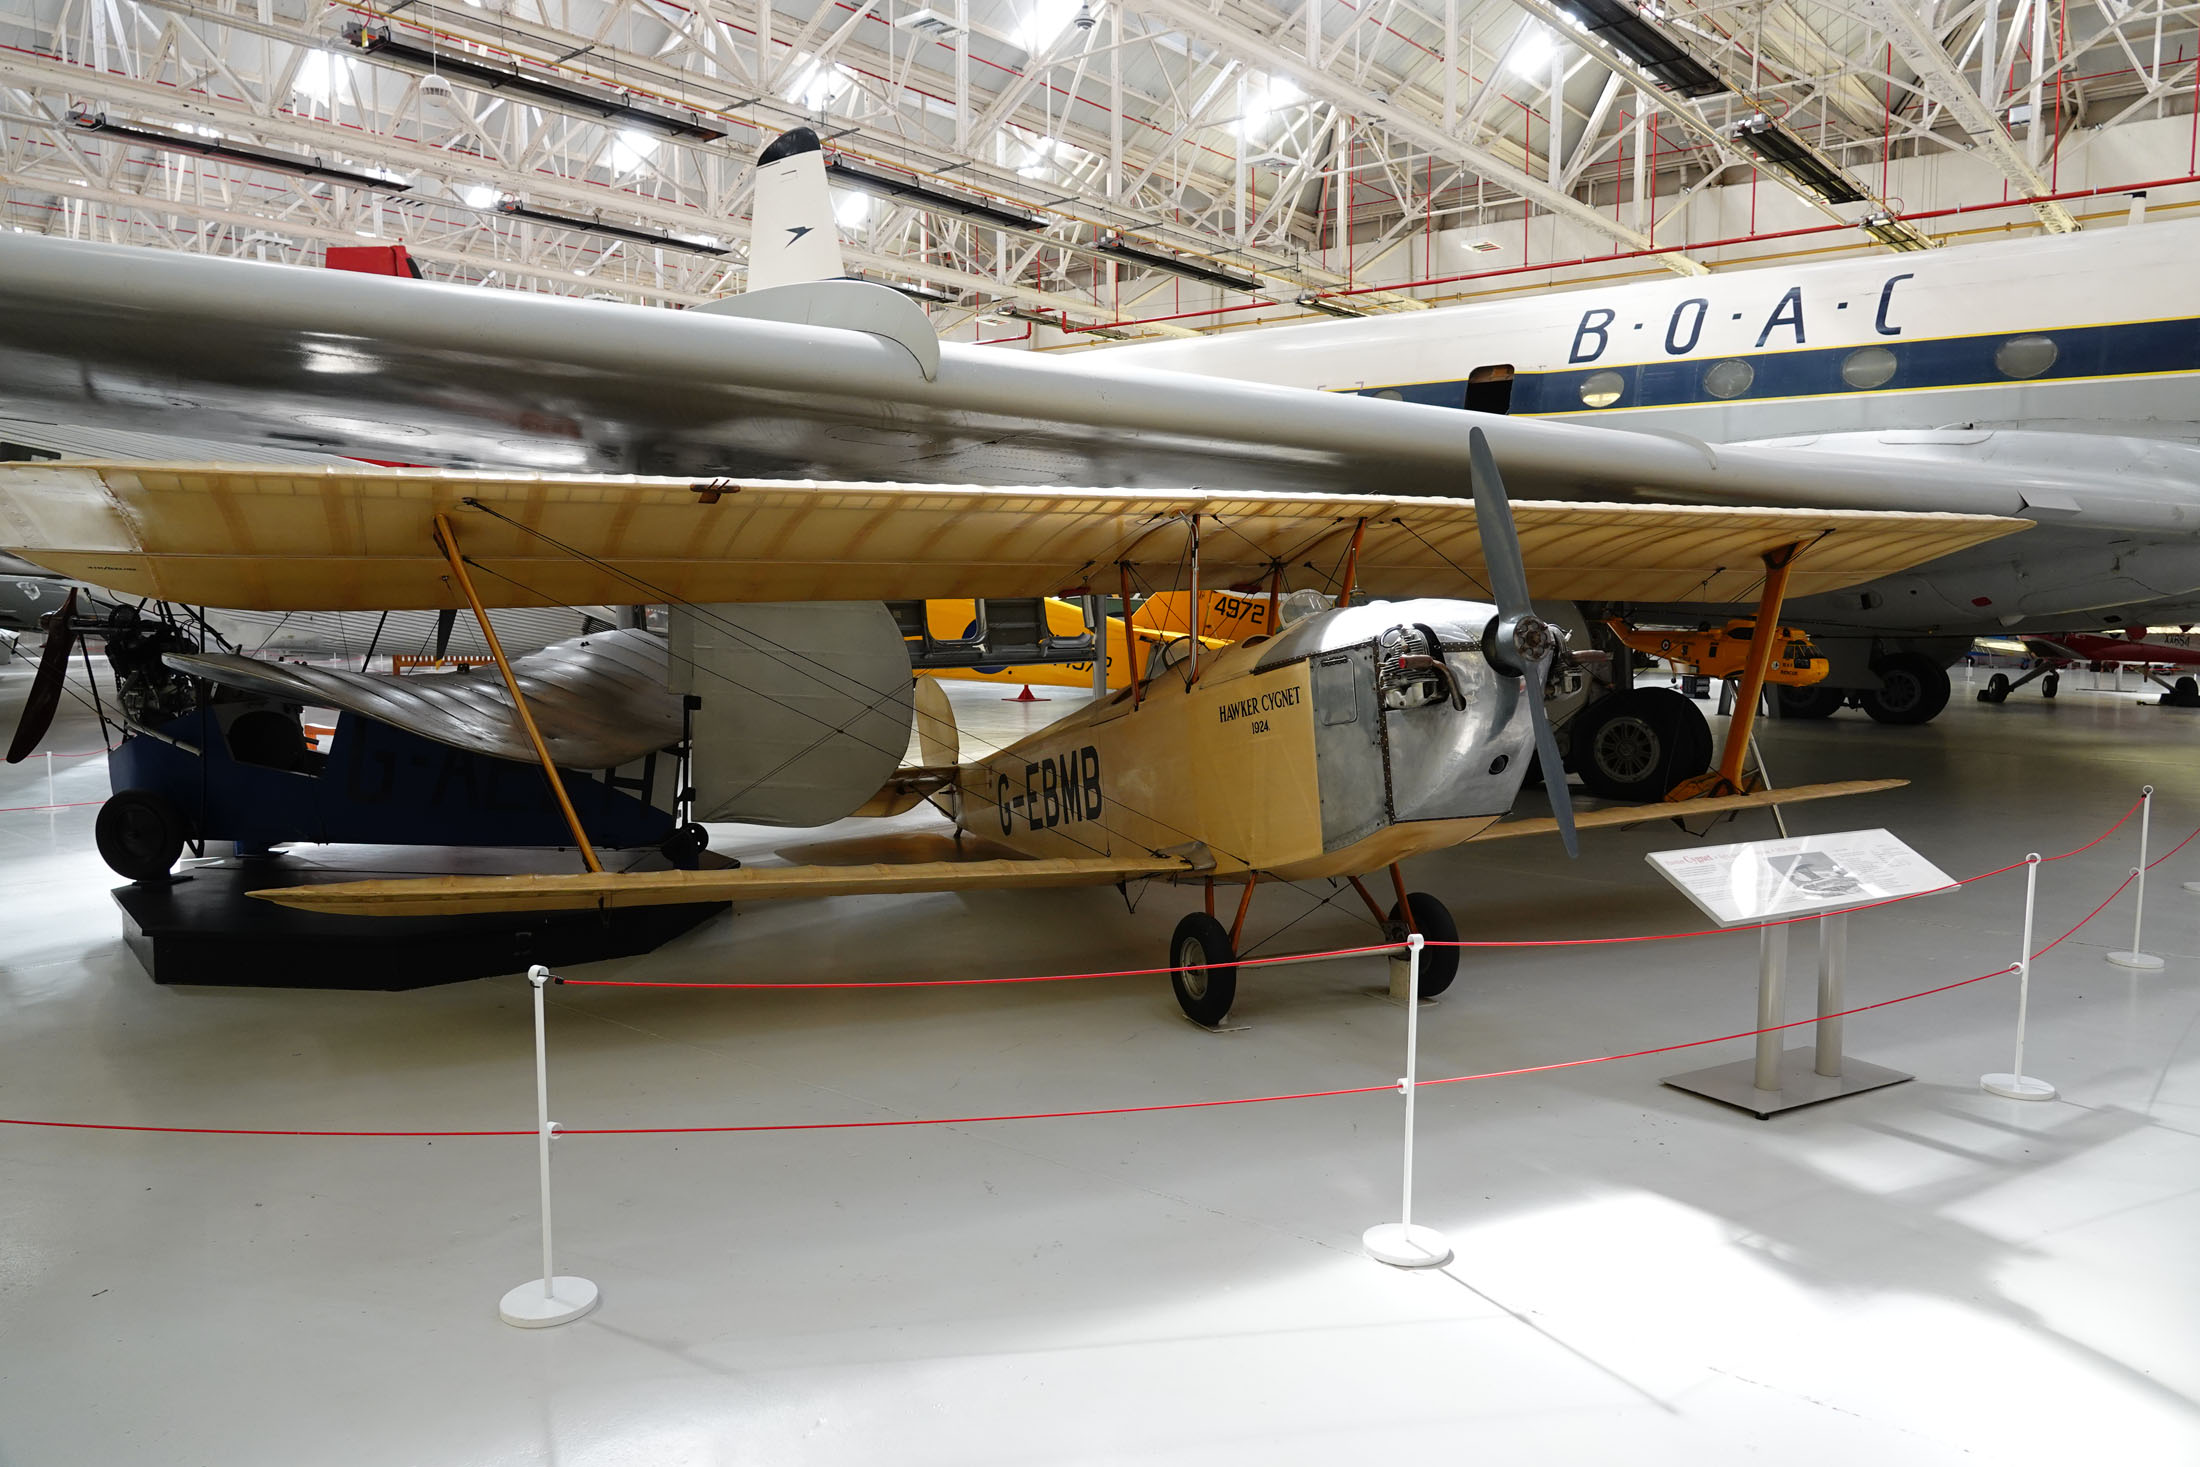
column 1338, row 746
column 1163, row 617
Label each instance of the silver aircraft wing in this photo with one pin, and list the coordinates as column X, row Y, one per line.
column 599, row 700
column 829, row 382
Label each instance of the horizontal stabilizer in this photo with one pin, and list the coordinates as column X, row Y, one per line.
column 1623, row 815
column 436, row 896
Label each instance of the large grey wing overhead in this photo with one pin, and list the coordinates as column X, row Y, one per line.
column 600, row 700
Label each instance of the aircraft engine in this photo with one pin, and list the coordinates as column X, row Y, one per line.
column 804, row 708
column 1410, row 720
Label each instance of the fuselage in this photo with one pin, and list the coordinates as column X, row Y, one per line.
column 2092, row 332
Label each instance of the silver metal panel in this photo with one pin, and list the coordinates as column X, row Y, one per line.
column 1348, row 746
column 599, row 701
column 1446, row 762
column 806, row 706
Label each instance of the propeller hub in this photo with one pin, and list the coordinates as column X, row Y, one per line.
column 1516, row 643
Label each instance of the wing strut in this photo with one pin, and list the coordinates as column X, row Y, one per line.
column 1763, row 647
column 448, row 542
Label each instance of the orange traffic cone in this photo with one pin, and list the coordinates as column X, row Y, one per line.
column 1025, row 697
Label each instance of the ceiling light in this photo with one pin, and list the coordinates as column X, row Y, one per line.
column 207, row 144
column 484, row 74
column 693, row 244
column 929, row 23
column 477, row 195
column 939, row 201
column 817, row 84
column 852, row 210
column 630, row 150
column 1045, row 22
column 1621, row 26
column 316, row 76
column 1531, row 52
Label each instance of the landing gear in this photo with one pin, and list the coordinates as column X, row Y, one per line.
column 684, row 847
column 1637, row 745
column 140, row 833
column 1816, row 701
column 1205, row 976
column 1913, row 689
column 2184, row 693
column 1432, row 919
column 2051, row 685
column 1996, row 689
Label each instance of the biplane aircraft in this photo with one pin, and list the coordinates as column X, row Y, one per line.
column 1337, row 745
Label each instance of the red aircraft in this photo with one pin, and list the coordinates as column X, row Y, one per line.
column 2100, row 652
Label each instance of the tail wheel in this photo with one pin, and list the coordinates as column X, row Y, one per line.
column 1913, row 689
column 684, row 847
column 1637, row 745
column 2050, row 685
column 140, row 833
column 1205, row 969
column 1432, row 919
column 1816, row 701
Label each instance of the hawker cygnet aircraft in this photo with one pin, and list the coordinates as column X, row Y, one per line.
column 815, row 378
column 2077, row 355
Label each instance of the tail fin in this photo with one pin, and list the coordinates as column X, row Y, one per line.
column 792, row 240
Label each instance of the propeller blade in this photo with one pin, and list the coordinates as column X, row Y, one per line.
column 445, row 620
column 1493, row 520
column 1554, row 768
column 45, row 696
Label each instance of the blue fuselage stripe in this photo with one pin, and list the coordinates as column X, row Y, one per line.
column 2130, row 349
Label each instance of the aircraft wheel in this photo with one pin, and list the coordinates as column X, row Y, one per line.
column 1439, row 965
column 1205, row 993
column 1819, row 700
column 1996, row 689
column 2050, row 685
column 1636, row 745
column 1913, row 690
column 140, row 833
column 2184, row 693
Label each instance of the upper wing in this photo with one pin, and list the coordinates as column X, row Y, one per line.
column 337, row 539
column 401, row 370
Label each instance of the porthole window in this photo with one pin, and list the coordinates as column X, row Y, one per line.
column 1730, row 378
column 1602, row 389
column 1867, row 368
column 2025, row 356
column 1391, row 394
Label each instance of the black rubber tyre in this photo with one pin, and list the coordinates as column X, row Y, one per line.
column 2184, row 693
column 2050, row 685
column 684, row 847
column 140, row 833
column 1439, row 965
column 1996, row 689
column 1819, row 700
column 1637, row 745
column 1204, row 993
column 1913, row 690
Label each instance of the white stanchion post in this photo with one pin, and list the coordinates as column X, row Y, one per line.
column 554, row 1298
column 1401, row 1244
column 2017, row 1085
column 51, row 797
column 2139, row 957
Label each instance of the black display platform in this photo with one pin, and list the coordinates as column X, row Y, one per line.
column 202, row 928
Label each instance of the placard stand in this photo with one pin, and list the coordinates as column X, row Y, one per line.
column 1765, row 881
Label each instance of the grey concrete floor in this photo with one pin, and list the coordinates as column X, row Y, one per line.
column 1923, row 1274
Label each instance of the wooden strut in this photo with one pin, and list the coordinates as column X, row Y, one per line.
column 1130, row 638
column 1245, row 904
column 449, row 541
column 1275, row 590
column 1764, row 645
column 1374, row 910
column 1352, row 564
column 1405, row 908
column 1193, row 678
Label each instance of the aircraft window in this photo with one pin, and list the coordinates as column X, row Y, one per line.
column 1730, row 378
column 1602, row 389
column 2025, row 356
column 1391, row 394
column 1867, row 368
column 1490, row 389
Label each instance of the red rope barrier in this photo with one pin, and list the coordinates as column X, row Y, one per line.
column 64, row 805
column 1113, row 1110
column 2173, row 850
column 1342, row 952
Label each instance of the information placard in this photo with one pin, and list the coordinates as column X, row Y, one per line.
column 1804, row 875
